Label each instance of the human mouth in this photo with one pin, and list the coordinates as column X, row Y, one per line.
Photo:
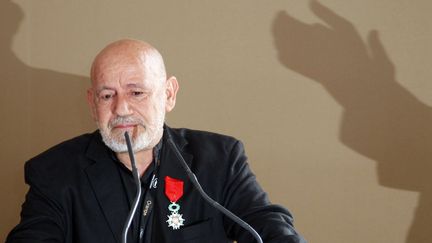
column 124, row 126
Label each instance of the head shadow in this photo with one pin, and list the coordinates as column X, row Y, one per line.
column 40, row 107
column 381, row 119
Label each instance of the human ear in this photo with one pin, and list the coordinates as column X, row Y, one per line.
column 172, row 87
column 91, row 103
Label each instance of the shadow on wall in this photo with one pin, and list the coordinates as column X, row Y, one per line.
column 39, row 108
column 381, row 119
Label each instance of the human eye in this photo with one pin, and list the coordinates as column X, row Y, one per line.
column 106, row 95
column 138, row 94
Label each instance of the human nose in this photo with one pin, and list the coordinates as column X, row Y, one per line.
column 122, row 107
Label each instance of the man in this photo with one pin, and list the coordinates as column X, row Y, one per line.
column 82, row 190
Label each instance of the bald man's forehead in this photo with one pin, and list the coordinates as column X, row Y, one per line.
column 108, row 72
column 125, row 75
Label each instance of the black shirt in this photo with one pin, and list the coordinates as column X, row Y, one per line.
column 140, row 222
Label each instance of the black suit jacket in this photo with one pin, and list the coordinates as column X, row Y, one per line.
column 76, row 194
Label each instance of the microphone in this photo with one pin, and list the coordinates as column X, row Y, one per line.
column 136, row 201
column 212, row 202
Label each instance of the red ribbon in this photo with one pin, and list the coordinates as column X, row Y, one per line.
column 173, row 189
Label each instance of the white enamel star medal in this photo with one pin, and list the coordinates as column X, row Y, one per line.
column 174, row 191
column 175, row 220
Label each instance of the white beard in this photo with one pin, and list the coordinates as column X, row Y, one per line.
column 142, row 141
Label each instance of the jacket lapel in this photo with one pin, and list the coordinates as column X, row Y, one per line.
column 107, row 186
column 170, row 164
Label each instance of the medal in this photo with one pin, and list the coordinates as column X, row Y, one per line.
column 174, row 191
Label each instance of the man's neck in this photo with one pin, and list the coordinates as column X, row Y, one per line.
column 143, row 159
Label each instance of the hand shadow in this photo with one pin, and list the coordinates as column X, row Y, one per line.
column 39, row 108
column 381, row 119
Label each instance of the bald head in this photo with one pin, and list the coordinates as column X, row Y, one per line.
column 129, row 52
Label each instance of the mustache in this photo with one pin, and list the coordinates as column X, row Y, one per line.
column 124, row 120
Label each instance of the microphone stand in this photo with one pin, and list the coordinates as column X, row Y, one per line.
column 136, row 176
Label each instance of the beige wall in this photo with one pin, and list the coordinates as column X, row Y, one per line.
column 335, row 118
